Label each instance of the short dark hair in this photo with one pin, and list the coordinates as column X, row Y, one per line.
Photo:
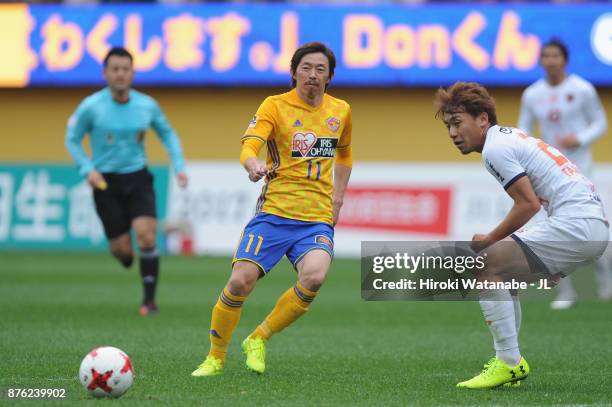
column 556, row 42
column 312, row 48
column 465, row 97
column 118, row 51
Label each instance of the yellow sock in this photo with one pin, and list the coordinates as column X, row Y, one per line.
column 225, row 317
column 290, row 306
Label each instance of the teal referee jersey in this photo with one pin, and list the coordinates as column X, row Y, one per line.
column 117, row 133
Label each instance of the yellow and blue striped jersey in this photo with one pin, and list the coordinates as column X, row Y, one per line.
column 302, row 142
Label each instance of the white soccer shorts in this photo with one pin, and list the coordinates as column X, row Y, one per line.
column 565, row 244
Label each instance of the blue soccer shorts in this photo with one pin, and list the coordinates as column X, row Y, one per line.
column 267, row 238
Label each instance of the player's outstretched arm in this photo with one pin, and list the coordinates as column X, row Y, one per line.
column 79, row 124
column 343, row 166
column 526, row 205
column 248, row 158
column 171, row 143
column 598, row 124
column 526, row 116
column 342, row 173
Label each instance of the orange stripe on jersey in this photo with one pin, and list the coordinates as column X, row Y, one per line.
column 302, row 141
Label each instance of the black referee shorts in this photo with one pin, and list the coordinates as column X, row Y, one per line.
column 127, row 196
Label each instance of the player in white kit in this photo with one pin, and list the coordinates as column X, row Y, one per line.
column 570, row 117
column 534, row 174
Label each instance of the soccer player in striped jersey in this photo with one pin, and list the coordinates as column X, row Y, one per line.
column 571, row 117
column 116, row 119
column 307, row 133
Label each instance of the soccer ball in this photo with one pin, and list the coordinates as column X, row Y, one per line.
column 106, row 372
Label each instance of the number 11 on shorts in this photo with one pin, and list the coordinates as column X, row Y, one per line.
column 250, row 242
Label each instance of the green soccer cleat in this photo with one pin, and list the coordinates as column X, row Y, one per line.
column 509, row 384
column 497, row 373
column 255, row 351
column 513, row 385
column 210, row 367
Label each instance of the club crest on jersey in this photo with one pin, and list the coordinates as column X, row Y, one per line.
column 324, row 240
column 297, row 123
column 333, row 124
column 308, row 145
column 253, row 122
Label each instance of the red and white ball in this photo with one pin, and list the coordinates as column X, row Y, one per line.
column 106, row 372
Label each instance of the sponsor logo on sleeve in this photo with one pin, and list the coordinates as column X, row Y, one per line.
column 505, row 130
column 494, row 171
column 253, row 122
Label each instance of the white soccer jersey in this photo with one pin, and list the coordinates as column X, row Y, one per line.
column 571, row 107
column 563, row 190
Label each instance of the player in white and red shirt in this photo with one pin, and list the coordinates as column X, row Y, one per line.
column 534, row 174
column 570, row 117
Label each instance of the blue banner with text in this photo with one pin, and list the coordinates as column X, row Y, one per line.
column 230, row 45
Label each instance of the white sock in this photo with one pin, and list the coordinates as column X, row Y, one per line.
column 566, row 290
column 603, row 278
column 518, row 314
column 498, row 309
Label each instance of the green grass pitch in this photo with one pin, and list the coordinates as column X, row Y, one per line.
column 345, row 352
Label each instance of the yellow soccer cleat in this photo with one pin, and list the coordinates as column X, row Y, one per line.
column 255, row 351
column 210, row 367
column 512, row 385
column 497, row 373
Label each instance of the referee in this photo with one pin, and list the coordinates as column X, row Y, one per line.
column 116, row 119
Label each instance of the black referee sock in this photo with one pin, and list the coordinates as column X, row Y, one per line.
column 127, row 261
column 149, row 271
